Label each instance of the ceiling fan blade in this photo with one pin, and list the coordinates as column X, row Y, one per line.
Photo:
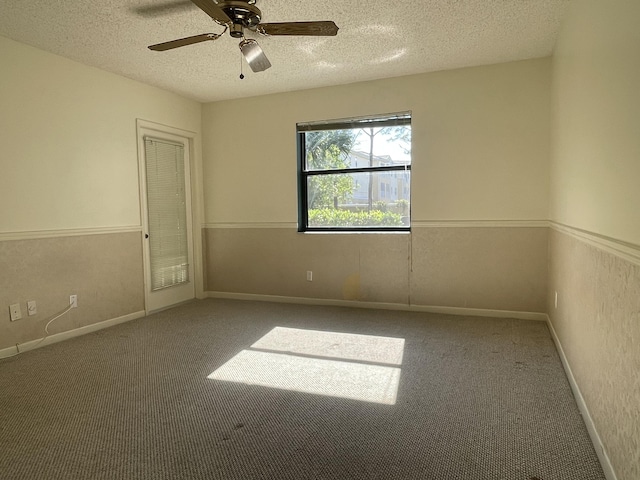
column 164, row 8
column 181, row 42
column 214, row 11
column 328, row 28
column 254, row 55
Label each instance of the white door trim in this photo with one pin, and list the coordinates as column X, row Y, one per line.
column 147, row 128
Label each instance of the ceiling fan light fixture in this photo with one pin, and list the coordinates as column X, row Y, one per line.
column 236, row 30
column 254, row 55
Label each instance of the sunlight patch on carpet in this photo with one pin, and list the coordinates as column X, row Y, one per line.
column 358, row 367
column 346, row 346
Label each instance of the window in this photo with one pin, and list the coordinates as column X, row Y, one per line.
column 348, row 171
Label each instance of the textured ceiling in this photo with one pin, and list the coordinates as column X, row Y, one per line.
column 377, row 39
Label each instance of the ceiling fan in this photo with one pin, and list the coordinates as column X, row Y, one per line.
column 238, row 15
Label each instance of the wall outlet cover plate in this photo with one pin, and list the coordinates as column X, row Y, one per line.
column 32, row 309
column 14, row 311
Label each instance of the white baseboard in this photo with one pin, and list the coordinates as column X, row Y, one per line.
column 475, row 312
column 76, row 332
column 609, row 472
column 480, row 312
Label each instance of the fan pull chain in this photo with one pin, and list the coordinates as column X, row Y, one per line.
column 241, row 74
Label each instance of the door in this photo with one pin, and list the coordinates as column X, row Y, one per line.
column 166, row 211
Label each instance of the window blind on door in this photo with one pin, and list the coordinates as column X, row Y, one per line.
column 167, row 213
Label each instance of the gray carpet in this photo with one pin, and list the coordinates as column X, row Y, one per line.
column 478, row 398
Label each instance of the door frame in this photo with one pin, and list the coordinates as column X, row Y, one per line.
column 147, row 128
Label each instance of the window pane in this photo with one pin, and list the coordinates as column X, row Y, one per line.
column 328, row 149
column 358, row 148
column 363, row 199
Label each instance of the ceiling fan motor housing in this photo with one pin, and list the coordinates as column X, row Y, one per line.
column 243, row 13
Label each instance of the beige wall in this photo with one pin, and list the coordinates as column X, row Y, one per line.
column 480, row 156
column 69, row 165
column 105, row 271
column 69, row 141
column 274, row 261
column 460, row 267
column 493, row 268
column 594, row 265
column 597, row 321
column 480, row 143
column 596, row 125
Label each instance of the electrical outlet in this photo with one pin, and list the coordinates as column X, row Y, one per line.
column 73, row 301
column 32, row 309
column 309, row 276
column 14, row 311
